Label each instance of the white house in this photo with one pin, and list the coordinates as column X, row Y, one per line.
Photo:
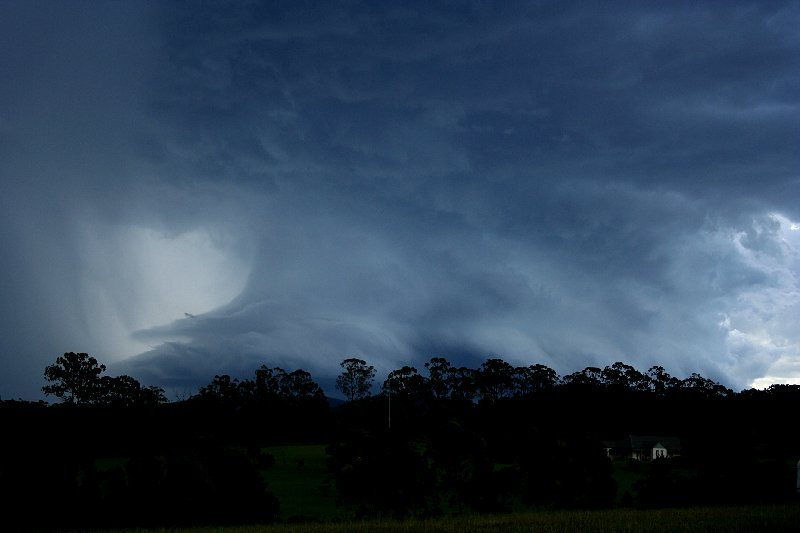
column 648, row 447
column 644, row 447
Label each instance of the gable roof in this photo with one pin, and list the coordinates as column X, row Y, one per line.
column 647, row 442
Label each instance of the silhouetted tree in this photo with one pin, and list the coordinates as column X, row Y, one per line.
column 446, row 381
column 440, row 376
column 405, row 382
column 705, row 386
column 276, row 383
column 463, row 384
column 661, row 382
column 495, row 380
column 299, row 384
column 588, row 377
column 534, row 378
column 125, row 391
column 222, row 390
column 268, row 381
column 622, row 376
column 75, row 378
column 355, row 380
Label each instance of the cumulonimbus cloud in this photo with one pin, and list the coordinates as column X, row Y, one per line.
column 542, row 184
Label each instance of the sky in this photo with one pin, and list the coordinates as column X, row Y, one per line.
column 199, row 188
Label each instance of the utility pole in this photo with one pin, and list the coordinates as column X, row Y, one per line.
column 390, row 402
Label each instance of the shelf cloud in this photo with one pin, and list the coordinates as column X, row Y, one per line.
column 198, row 190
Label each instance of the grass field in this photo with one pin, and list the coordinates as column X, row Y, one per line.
column 299, row 478
column 722, row 519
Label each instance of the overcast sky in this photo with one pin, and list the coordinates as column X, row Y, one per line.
column 197, row 188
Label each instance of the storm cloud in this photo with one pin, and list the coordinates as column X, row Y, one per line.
column 197, row 189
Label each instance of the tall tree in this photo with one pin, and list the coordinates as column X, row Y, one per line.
column 300, row 384
column 534, row 378
column 355, row 381
column 622, row 376
column 75, row 378
column 440, row 376
column 589, row 377
column 708, row 387
column 405, row 382
column 268, row 381
column 125, row 391
column 222, row 390
column 660, row 380
column 463, row 385
column 495, row 380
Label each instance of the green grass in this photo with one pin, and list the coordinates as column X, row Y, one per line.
column 626, row 476
column 717, row 520
column 301, row 482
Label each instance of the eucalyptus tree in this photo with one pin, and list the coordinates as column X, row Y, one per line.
column 660, row 380
column 269, row 382
column 620, row 375
column 356, row 378
column 405, row 382
column 533, row 378
column 495, row 380
column 299, row 384
column 125, row 391
column 589, row 377
column 440, row 376
column 699, row 384
column 223, row 390
column 75, row 378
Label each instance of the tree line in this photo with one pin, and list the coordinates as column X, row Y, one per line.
column 496, row 437
column 496, row 379
column 76, row 379
column 447, row 440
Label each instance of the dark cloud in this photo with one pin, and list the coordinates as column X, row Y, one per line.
column 232, row 184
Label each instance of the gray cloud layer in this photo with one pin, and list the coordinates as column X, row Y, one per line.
column 556, row 183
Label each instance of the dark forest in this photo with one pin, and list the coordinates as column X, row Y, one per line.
column 440, row 441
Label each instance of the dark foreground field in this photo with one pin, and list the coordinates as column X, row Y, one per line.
column 720, row 519
column 231, row 457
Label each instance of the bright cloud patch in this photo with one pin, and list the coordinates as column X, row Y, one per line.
column 761, row 326
column 186, row 273
column 144, row 278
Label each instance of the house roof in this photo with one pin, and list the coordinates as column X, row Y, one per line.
column 646, row 442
